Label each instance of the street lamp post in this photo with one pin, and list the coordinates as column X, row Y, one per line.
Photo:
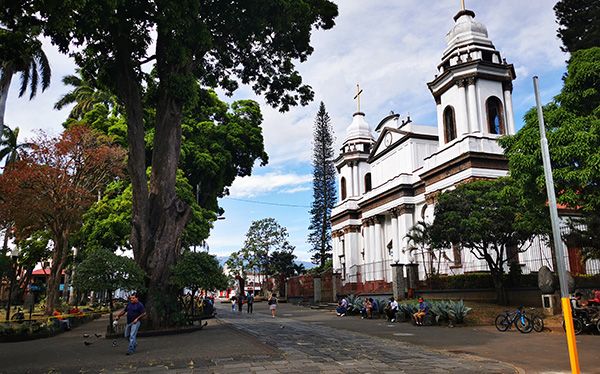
column 14, row 254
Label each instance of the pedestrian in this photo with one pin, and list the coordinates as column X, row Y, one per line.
column 135, row 311
column 240, row 302
column 250, row 302
column 273, row 304
column 233, row 303
column 423, row 310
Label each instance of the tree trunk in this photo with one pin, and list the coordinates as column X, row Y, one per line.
column 59, row 258
column 159, row 217
column 5, row 79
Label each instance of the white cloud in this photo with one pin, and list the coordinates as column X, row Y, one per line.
column 258, row 185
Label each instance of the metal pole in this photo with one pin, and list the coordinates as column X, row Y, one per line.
column 558, row 246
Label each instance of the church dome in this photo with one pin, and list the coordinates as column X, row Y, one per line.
column 358, row 129
column 467, row 33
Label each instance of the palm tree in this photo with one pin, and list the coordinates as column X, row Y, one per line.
column 21, row 53
column 420, row 236
column 9, row 149
column 85, row 95
column 9, row 146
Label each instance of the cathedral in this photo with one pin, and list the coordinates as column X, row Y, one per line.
column 389, row 175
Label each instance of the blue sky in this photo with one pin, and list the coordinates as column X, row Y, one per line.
column 390, row 48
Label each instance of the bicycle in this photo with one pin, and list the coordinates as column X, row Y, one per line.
column 537, row 321
column 584, row 318
column 504, row 321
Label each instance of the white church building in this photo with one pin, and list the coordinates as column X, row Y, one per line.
column 389, row 176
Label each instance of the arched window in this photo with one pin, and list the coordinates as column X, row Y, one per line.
column 495, row 116
column 449, row 125
column 343, row 188
column 368, row 186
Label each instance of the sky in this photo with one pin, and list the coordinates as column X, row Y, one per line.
column 391, row 49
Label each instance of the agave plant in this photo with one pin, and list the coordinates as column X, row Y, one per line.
column 407, row 309
column 381, row 304
column 355, row 303
column 440, row 310
column 458, row 311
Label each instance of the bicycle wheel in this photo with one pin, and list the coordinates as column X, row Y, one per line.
column 502, row 323
column 538, row 323
column 577, row 326
column 523, row 324
column 598, row 325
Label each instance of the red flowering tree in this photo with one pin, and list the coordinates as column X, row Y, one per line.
column 53, row 185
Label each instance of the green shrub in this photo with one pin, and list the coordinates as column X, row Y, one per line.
column 440, row 310
column 354, row 303
column 458, row 311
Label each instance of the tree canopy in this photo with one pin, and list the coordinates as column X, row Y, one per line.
column 102, row 270
column 580, row 24
column 192, row 44
column 199, row 271
column 572, row 123
column 264, row 238
column 57, row 181
column 484, row 218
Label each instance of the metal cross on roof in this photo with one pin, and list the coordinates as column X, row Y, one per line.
column 357, row 96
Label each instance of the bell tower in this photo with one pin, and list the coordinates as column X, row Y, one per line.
column 473, row 85
column 352, row 166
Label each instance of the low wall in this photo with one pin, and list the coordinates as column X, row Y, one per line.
column 516, row 296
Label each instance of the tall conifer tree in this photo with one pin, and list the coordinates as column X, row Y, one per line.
column 324, row 194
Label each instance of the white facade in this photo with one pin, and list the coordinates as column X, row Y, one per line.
column 388, row 177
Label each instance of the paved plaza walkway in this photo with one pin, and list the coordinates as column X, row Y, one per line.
column 298, row 340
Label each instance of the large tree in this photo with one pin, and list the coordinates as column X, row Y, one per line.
column 324, row 195
column 580, row 24
column 53, row 185
column 211, row 42
column 572, row 123
column 264, row 237
column 484, row 218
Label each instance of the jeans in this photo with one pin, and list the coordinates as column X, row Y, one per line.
column 130, row 333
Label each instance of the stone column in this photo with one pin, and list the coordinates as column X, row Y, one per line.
column 462, row 118
column 508, row 112
column 440, row 120
column 335, row 281
column 396, row 244
column 474, row 125
column 398, row 281
column 317, row 288
column 412, row 276
column 355, row 180
column 378, row 250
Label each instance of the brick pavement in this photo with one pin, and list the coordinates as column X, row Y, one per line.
column 240, row 343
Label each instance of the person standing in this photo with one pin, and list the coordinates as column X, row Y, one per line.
column 135, row 311
column 240, row 302
column 250, row 302
column 273, row 304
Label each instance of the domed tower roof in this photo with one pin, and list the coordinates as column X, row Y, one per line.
column 467, row 32
column 359, row 129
